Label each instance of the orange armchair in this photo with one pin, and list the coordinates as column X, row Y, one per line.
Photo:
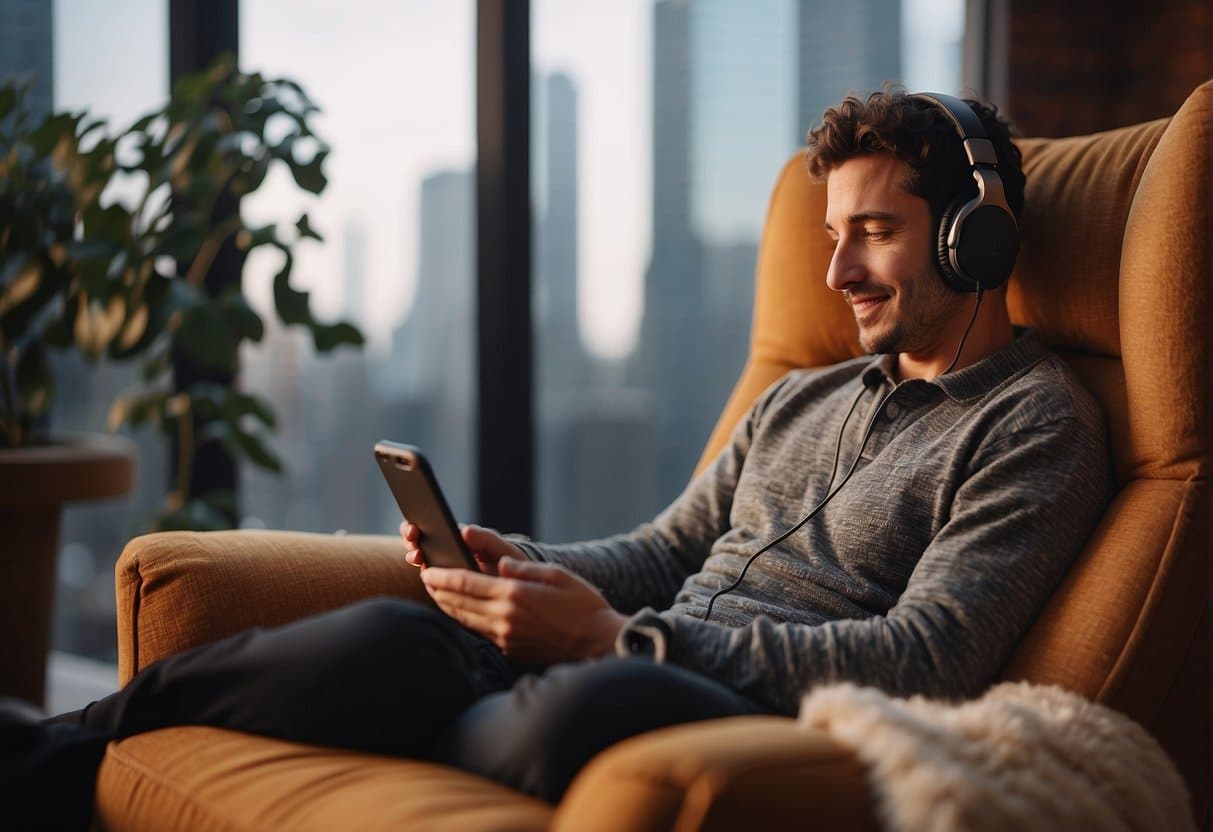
column 1115, row 273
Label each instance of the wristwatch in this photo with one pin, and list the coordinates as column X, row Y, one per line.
column 645, row 636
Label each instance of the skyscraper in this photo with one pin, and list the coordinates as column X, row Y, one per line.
column 561, row 362
column 722, row 88
column 562, row 359
column 27, row 49
column 596, row 441
column 846, row 46
column 430, row 374
column 668, row 359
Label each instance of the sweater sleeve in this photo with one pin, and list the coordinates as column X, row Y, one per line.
column 1015, row 526
column 646, row 567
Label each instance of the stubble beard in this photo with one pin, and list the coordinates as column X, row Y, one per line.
column 923, row 308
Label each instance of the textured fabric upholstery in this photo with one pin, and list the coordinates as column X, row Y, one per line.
column 759, row 772
column 182, row 589
column 1114, row 271
column 210, row 780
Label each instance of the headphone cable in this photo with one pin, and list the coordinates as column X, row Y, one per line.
column 972, row 320
column 834, row 465
column 829, row 495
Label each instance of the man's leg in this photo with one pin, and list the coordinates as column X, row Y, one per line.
column 383, row 676
column 538, row 735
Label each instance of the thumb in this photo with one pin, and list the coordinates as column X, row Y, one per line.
column 485, row 541
column 529, row 570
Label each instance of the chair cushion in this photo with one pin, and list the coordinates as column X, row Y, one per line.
column 200, row 779
column 744, row 772
column 177, row 590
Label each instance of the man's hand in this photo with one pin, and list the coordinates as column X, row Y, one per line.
column 535, row 612
column 486, row 546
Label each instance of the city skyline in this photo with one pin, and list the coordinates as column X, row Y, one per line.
column 383, row 146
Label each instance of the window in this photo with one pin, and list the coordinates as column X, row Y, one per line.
column 658, row 131
column 116, row 67
column 395, row 84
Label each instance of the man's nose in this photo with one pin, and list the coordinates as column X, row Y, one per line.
column 845, row 269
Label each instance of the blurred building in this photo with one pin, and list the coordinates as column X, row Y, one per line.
column 27, row 49
column 428, row 380
column 846, row 46
column 596, row 441
column 699, row 284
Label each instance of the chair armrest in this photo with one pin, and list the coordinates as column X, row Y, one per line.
column 761, row 772
column 177, row 590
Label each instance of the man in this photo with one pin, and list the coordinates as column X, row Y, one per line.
column 894, row 521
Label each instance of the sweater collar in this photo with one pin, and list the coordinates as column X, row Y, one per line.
column 977, row 379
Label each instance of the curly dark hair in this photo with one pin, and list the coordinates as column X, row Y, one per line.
column 891, row 121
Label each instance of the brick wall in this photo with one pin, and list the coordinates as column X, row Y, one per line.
column 1081, row 66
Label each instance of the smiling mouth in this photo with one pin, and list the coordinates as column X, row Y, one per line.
column 863, row 306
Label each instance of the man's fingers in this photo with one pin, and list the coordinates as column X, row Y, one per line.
column 467, row 582
column 472, row 613
column 481, row 540
column 410, row 533
column 527, row 570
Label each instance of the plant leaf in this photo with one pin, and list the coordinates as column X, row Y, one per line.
column 248, row 239
column 304, row 227
column 206, row 337
column 310, row 176
column 258, row 452
column 137, row 408
column 239, row 405
column 292, row 305
column 327, row 337
column 241, row 317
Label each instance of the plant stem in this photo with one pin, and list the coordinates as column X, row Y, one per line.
column 10, row 398
column 209, row 250
column 185, row 452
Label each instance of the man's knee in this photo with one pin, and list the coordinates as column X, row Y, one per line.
column 536, row 736
column 393, row 632
column 619, row 698
column 385, row 618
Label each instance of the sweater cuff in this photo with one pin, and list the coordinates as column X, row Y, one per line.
column 645, row 636
column 527, row 546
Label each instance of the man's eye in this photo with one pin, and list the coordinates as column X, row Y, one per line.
column 877, row 234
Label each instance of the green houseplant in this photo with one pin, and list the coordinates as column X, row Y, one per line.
column 133, row 280
column 130, row 281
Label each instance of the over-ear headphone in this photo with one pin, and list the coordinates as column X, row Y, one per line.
column 978, row 238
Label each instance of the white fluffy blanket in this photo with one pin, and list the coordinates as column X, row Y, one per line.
column 1020, row 757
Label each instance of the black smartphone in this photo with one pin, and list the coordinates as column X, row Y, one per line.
column 413, row 484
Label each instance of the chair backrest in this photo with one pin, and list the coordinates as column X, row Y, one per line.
column 1114, row 271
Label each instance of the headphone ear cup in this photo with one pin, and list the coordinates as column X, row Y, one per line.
column 943, row 258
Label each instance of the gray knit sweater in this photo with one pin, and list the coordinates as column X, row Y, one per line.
column 972, row 496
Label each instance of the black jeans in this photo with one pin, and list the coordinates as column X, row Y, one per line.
column 393, row 677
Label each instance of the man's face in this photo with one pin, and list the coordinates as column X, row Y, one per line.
column 884, row 259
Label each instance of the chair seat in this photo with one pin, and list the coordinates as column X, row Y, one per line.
column 201, row 778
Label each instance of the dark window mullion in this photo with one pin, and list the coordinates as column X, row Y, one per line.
column 505, row 431
column 200, row 31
